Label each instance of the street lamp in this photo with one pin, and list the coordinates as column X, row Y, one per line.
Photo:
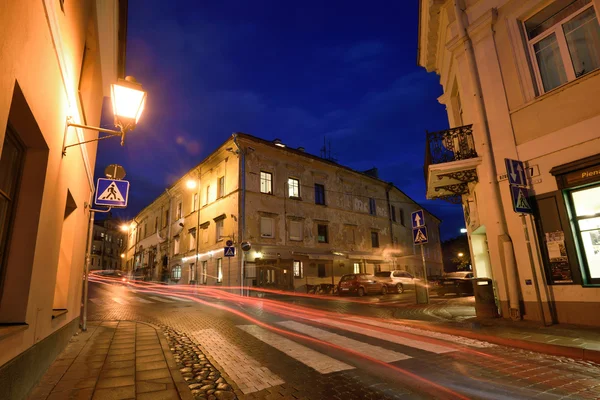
column 128, row 101
column 460, row 254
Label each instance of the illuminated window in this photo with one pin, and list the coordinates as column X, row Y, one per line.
column 586, row 206
column 176, row 273
column 266, row 182
column 357, row 268
column 204, row 272
column 293, row 187
column 219, row 270
column 322, row 234
column 298, row 270
column 221, row 187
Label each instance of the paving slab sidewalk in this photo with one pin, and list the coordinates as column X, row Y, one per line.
column 114, row 360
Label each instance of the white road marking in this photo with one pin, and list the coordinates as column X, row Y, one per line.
column 417, row 344
column 178, row 298
column 318, row 361
column 99, row 302
column 376, row 352
column 119, row 300
column 143, row 300
column 246, row 372
column 421, row 332
column 160, row 299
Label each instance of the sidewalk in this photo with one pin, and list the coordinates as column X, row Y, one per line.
column 114, row 360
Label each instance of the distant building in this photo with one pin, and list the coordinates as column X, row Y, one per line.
column 109, row 242
column 57, row 60
column 521, row 81
column 309, row 220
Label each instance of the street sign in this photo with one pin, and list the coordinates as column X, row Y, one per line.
column 515, row 171
column 229, row 243
column 418, row 219
column 520, row 200
column 114, row 171
column 229, row 251
column 112, row 192
column 420, row 235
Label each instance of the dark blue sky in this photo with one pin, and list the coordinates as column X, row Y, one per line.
column 298, row 71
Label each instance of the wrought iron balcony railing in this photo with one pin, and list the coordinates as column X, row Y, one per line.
column 450, row 145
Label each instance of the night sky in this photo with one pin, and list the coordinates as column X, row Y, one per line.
column 299, row 71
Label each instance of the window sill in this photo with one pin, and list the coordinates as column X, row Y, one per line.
column 57, row 312
column 11, row 329
column 295, row 198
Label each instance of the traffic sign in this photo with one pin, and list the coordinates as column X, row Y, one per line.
column 112, row 192
column 520, row 200
column 418, row 219
column 515, row 171
column 229, row 243
column 420, row 235
column 229, row 251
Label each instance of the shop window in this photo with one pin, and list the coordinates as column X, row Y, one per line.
column 296, row 230
column 176, row 273
column 319, row 194
column 266, row 182
column 564, row 42
column 322, row 234
column 298, row 270
column 586, row 206
column 219, row 270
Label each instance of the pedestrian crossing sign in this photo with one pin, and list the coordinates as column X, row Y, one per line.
column 112, row 192
column 229, row 251
column 520, row 200
column 420, row 235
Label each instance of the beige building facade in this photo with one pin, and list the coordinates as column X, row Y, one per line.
column 308, row 221
column 108, row 244
column 57, row 60
column 520, row 81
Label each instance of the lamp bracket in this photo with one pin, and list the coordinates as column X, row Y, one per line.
column 89, row 206
column 110, row 133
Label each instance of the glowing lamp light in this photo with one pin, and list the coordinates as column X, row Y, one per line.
column 460, row 254
column 190, row 184
column 122, row 255
column 463, row 230
column 128, row 101
column 124, row 227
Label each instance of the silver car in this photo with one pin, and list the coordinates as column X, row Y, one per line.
column 397, row 280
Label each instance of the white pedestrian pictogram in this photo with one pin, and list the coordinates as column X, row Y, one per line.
column 522, row 202
column 111, row 193
column 420, row 237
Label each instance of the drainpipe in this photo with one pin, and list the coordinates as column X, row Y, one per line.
column 169, row 230
column 389, row 204
column 241, row 207
column 507, row 249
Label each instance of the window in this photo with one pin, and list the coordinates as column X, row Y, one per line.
column 402, row 217
column 176, row 273
column 393, row 211
column 296, row 230
column 564, row 42
column 207, row 200
column 145, row 229
column 176, row 245
column 293, row 187
column 374, row 239
column 178, row 213
column 221, row 187
column 204, row 272
column 298, row 270
column 192, row 244
column 219, row 270
column 372, row 207
column 321, row 270
column 194, row 202
column 266, row 182
column 357, row 268
column 319, row 194
column 219, row 229
column 165, row 218
column 322, row 233
column 350, row 234
column 156, row 225
column 192, row 274
column 205, row 235
column 267, row 227
column 586, row 206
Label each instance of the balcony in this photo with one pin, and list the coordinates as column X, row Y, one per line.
column 450, row 163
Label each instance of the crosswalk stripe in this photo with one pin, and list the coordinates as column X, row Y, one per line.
column 437, row 335
column 417, row 344
column 143, row 300
column 118, row 300
column 161, row 299
column 179, row 298
column 97, row 301
column 376, row 352
column 318, row 361
column 248, row 374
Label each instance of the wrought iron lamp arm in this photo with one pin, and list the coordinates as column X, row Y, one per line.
column 111, row 133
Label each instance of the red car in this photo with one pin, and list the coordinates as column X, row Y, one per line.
column 360, row 284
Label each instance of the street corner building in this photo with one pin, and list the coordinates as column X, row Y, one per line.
column 57, row 61
column 520, row 85
column 307, row 220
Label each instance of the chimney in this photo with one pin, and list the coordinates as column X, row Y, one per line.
column 373, row 172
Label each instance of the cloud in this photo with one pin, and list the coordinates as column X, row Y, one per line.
column 364, row 49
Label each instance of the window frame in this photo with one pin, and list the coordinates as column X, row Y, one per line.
column 298, row 269
column 220, row 187
column 195, row 201
column 176, row 244
column 272, row 222
column 268, row 181
column 393, row 213
column 319, row 194
column 325, row 236
column 372, row 206
column 297, row 238
column 563, row 47
column 374, row 239
column 175, row 276
column 295, row 184
column 219, row 270
column 219, row 230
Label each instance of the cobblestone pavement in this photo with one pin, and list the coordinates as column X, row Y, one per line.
column 266, row 355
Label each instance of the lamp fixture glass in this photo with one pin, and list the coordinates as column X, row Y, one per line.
column 190, row 184
column 128, row 101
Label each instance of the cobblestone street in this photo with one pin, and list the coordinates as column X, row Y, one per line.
column 261, row 355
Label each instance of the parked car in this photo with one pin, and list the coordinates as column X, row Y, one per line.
column 360, row 284
column 455, row 282
column 397, row 281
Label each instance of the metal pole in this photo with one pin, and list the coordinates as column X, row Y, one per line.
column 533, row 273
column 88, row 258
column 425, row 275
